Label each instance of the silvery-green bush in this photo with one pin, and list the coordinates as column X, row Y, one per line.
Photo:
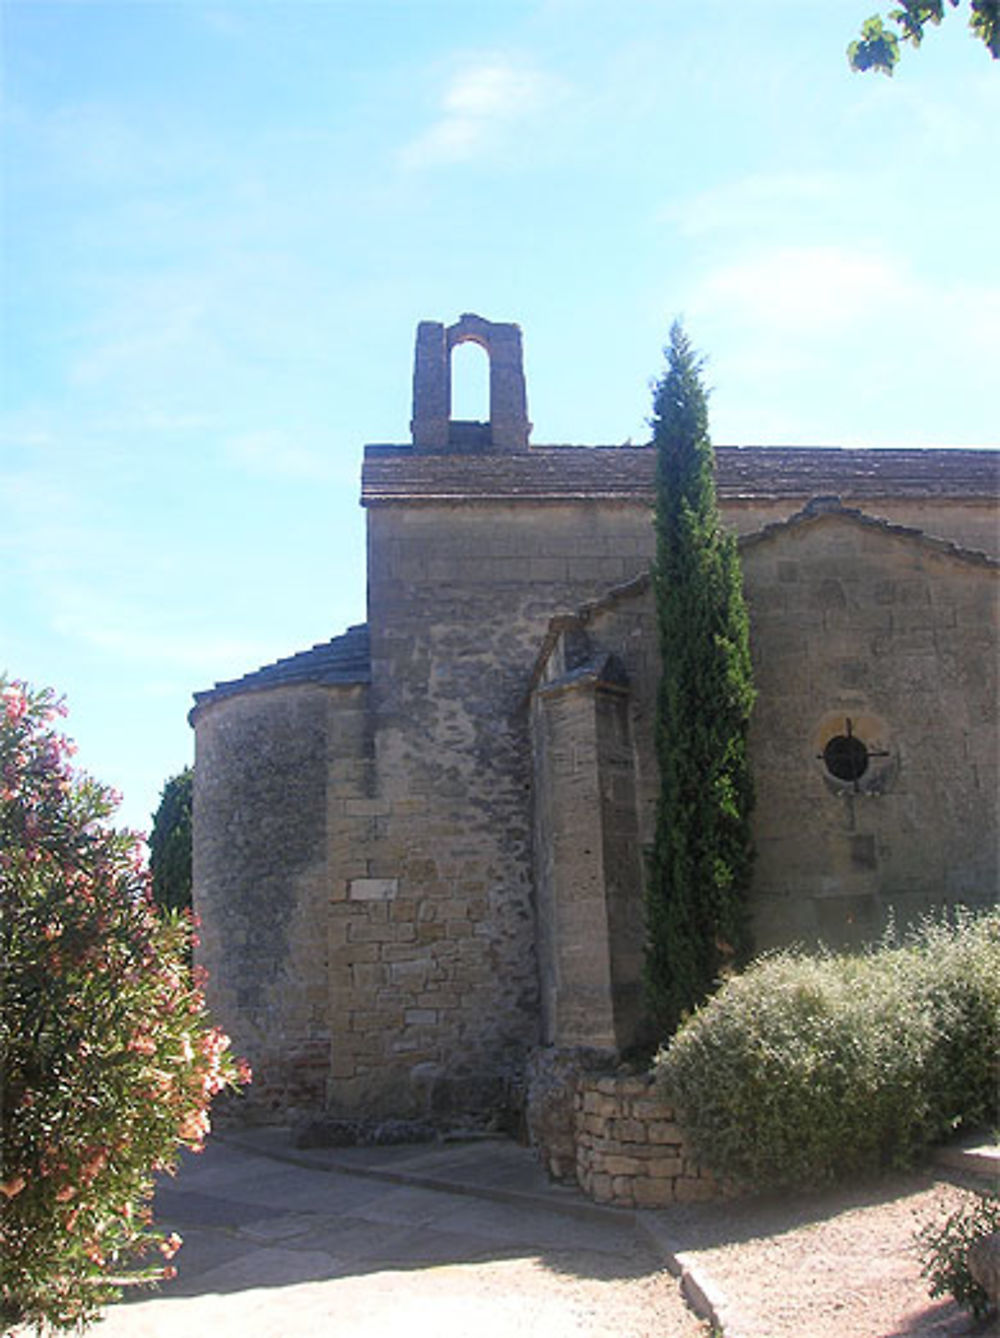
column 808, row 1068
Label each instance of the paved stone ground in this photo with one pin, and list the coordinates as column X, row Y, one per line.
column 274, row 1249
column 472, row 1239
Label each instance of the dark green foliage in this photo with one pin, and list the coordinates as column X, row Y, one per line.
column 807, row 1069
column 699, row 874
column 945, row 1252
column 170, row 844
column 878, row 46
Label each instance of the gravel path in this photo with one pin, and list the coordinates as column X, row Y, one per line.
column 840, row 1264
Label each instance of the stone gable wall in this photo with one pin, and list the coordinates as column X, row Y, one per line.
column 855, row 628
column 850, row 623
column 856, row 622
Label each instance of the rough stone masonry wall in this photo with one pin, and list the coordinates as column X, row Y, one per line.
column 261, row 884
column 459, row 600
column 587, row 864
column 855, row 622
column 630, row 1151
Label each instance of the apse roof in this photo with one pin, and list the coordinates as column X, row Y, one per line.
column 344, row 659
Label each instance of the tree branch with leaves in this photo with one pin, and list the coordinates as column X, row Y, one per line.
column 878, row 47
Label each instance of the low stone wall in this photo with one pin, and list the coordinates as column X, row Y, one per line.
column 611, row 1134
column 629, row 1149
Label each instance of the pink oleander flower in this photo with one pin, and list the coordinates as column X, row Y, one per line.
column 15, row 703
column 170, row 1245
column 195, row 1126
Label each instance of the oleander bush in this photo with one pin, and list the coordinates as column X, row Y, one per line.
column 809, row 1068
column 107, row 1057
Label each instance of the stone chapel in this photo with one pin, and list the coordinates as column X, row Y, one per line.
column 419, row 846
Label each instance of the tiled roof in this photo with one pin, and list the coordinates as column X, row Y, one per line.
column 345, row 659
column 561, row 473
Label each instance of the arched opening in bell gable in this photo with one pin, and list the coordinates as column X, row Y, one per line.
column 470, row 382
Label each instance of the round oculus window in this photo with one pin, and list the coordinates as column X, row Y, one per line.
column 846, row 757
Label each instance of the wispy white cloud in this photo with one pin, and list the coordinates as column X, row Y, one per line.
column 134, row 635
column 222, row 20
column 276, row 454
column 798, row 293
column 760, row 201
column 484, row 100
column 94, row 145
column 934, row 120
column 26, row 429
column 88, row 584
column 797, row 290
column 827, row 334
column 146, row 323
column 92, row 142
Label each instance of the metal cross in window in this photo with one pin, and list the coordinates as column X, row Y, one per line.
column 846, row 756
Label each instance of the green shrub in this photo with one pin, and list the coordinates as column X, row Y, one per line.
column 945, row 1252
column 108, row 1060
column 805, row 1068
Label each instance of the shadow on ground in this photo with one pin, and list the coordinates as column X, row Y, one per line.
column 251, row 1221
column 946, row 1319
column 737, row 1221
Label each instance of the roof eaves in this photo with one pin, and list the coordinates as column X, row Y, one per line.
column 342, row 660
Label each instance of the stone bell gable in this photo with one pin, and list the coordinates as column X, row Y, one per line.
column 420, row 846
column 433, row 427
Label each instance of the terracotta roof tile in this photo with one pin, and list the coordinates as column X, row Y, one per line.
column 345, row 659
column 554, row 473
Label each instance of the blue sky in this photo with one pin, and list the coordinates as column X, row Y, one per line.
column 222, row 223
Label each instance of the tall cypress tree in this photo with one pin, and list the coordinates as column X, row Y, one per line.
column 170, row 844
column 697, row 920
